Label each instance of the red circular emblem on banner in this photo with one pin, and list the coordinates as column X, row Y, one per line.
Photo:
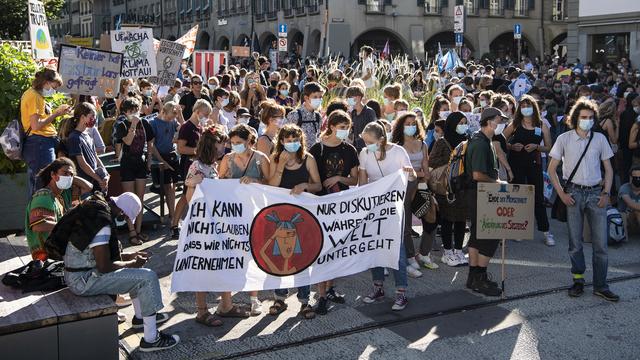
column 285, row 239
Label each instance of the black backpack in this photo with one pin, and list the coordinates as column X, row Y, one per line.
column 316, row 123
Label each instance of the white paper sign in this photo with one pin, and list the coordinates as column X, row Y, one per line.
column 139, row 55
column 39, row 31
column 255, row 237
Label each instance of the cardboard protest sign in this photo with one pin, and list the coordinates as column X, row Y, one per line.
column 87, row 71
column 39, row 31
column 254, row 237
column 168, row 59
column 505, row 211
column 137, row 47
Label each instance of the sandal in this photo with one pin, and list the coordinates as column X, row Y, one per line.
column 277, row 308
column 135, row 239
column 307, row 312
column 235, row 312
column 208, row 319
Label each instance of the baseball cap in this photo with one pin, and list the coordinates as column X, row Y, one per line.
column 129, row 203
column 491, row 112
column 243, row 112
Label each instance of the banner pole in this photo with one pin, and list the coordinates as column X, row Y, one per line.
column 504, row 242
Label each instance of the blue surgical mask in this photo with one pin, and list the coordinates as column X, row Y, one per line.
column 292, row 146
column 262, row 128
column 351, row 101
column 585, row 124
column 315, row 103
column 410, row 130
column 148, row 93
column 342, row 134
column 372, row 147
column 526, row 111
column 238, row 148
column 284, row 92
column 386, row 101
column 224, row 102
column 48, row 92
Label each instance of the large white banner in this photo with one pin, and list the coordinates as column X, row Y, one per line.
column 139, row 55
column 254, row 237
column 39, row 31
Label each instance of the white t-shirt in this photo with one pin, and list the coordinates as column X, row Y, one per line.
column 395, row 159
column 101, row 238
column 366, row 66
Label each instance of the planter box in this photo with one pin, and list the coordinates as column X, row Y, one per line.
column 14, row 201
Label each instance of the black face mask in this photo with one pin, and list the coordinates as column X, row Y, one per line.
column 635, row 181
column 274, row 83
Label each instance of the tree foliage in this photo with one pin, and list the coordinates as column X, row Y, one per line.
column 14, row 17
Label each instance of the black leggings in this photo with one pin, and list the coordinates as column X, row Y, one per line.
column 446, row 229
column 532, row 175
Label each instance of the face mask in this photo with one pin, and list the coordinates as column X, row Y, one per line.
column 499, row 129
column 279, row 122
column 462, row 129
column 544, row 114
column 64, row 182
column 626, row 94
column 390, row 117
column 636, row 109
column 483, row 103
column 243, row 120
column 585, row 124
column 526, row 111
column 372, row 147
column 274, row 83
column 342, row 134
column 351, row 101
column 48, row 92
column 460, row 75
column 635, row 181
column 131, row 88
column 386, row 101
column 410, row 130
column 292, row 146
column 578, row 81
column 443, row 114
column 224, row 102
column 557, row 90
column 262, row 128
column 315, row 103
column 437, row 136
column 238, row 148
column 148, row 93
column 457, row 99
column 203, row 121
column 183, row 66
column 389, row 136
column 284, row 93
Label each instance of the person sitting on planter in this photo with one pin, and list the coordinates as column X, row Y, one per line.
column 51, row 202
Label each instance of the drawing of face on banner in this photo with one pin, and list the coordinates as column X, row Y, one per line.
column 285, row 239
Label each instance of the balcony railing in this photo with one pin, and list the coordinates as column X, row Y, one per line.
column 431, row 7
column 471, row 7
column 313, row 9
column 375, row 7
column 259, row 17
column 288, row 12
column 300, row 11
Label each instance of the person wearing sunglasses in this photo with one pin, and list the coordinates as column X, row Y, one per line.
column 189, row 99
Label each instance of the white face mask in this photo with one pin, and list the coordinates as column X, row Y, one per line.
column 315, row 103
column 203, row 120
column 462, row 129
column 483, row 103
column 48, row 92
column 585, row 124
column 64, row 182
column 499, row 129
column 457, row 99
column 443, row 114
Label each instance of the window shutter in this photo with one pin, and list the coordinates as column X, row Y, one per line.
column 510, row 4
column 387, row 2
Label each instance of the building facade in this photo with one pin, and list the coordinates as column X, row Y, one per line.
column 602, row 31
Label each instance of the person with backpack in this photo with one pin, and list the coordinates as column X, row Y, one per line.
column 307, row 117
column 86, row 239
column 629, row 198
column 582, row 152
column 452, row 215
column 481, row 165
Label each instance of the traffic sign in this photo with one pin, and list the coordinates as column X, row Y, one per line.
column 282, row 44
column 458, row 19
column 517, row 31
column 282, row 30
column 459, row 39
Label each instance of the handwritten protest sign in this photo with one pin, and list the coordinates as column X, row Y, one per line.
column 505, row 211
column 39, row 31
column 87, row 71
column 255, row 237
column 139, row 55
column 168, row 59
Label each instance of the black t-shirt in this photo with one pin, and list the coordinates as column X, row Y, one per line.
column 188, row 101
column 144, row 134
column 503, row 142
column 334, row 161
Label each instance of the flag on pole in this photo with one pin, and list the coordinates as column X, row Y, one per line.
column 386, row 52
column 440, row 59
column 189, row 41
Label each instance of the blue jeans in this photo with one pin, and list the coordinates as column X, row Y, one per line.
column 400, row 275
column 303, row 293
column 587, row 204
column 139, row 283
column 38, row 152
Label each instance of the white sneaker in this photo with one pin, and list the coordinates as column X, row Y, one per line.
column 459, row 254
column 255, row 308
column 427, row 261
column 449, row 258
column 413, row 272
column 413, row 263
column 548, row 239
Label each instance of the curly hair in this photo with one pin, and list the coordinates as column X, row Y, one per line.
column 397, row 134
column 582, row 104
column 287, row 131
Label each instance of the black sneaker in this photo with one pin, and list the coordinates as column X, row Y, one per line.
column 138, row 323
column 485, row 286
column 163, row 342
column 607, row 295
column 333, row 296
column 321, row 307
column 471, row 279
column 576, row 290
column 175, row 233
